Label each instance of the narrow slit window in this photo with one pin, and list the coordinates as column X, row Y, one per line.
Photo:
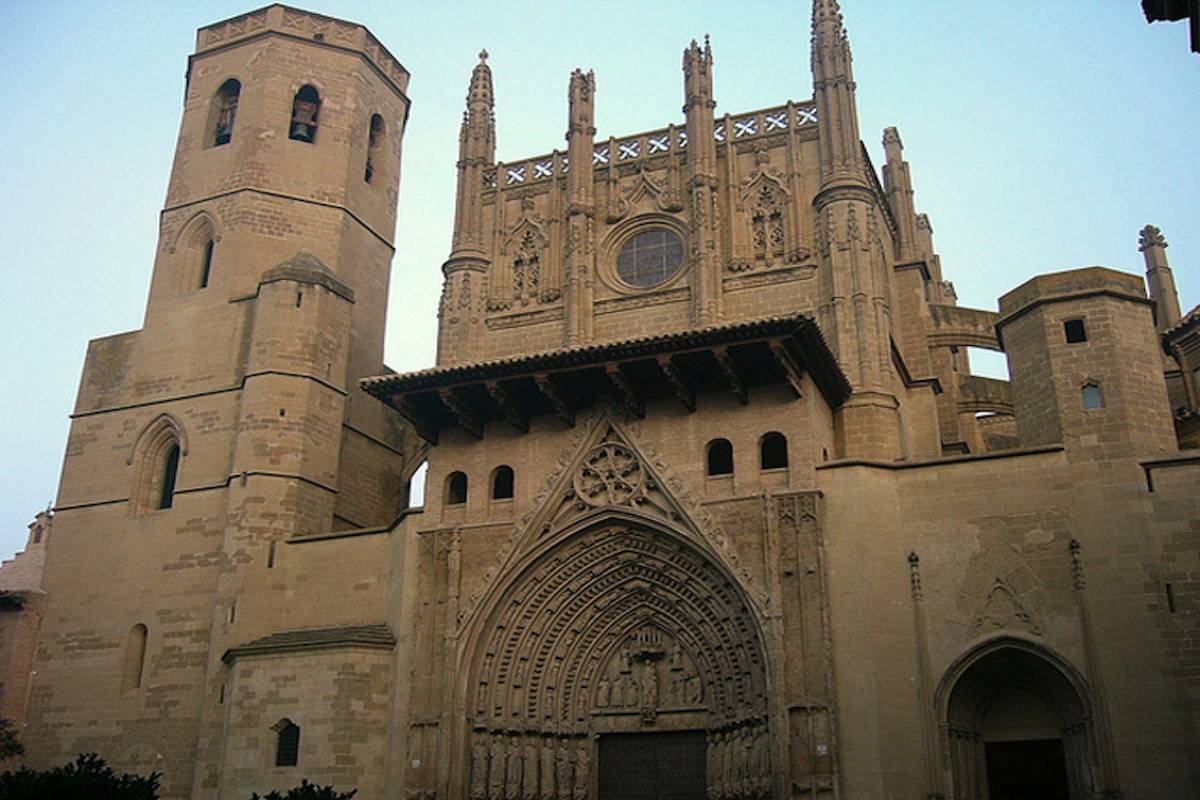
column 306, row 108
column 772, row 451
column 135, row 659
column 287, row 743
column 720, row 457
column 226, row 102
column 166, row 495
column 456, row 489
column 1075, row 331
column 1170, row 598
column 1092, row 396
column 206, row 259
column 374, row 139
column 502, row 483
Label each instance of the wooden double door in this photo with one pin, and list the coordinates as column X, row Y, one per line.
column 653, row 766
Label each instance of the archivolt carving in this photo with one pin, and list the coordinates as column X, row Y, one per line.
column 606, row 601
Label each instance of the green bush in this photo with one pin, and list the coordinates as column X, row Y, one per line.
column 307, row 791
column 9, row 744
column 87, row 778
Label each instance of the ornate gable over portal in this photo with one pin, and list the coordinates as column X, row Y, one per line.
column 613, row 612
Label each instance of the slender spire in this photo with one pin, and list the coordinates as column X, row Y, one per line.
column 833, row 89
column 1159, row 278
column 476, row 151
column 581, row 128
column 698, row 105
column 897, row 181
column 579, row 251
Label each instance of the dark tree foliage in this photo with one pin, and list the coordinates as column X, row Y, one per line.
column 9, row 744
column 87, row 778
column 307, row 791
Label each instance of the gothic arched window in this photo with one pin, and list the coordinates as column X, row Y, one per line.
column 225, row 105
column 206, row 258
column 772, row 451
column 719, row 455
column 374, row 139
column 1093, row 398
column 287, row 743
column 170, row 471
column 306, row 107
column 158, row 454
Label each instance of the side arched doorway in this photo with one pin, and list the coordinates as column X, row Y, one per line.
column 622, row 661
column 1017, row 725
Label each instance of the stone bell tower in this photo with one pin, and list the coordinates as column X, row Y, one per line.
column 232, row 420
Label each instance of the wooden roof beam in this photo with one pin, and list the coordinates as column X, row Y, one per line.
column 736, row 384
column 468, row 418
column 552, row 394
column 674, row 377
column 624, row 390
column 504, row 401
column 791, row 370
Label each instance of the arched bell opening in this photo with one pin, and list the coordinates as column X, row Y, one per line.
column 621, row 645
column 1017, row 724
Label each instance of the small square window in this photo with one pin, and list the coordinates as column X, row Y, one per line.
column 1075, row 331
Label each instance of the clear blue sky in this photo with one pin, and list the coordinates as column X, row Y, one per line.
column 1042, row 135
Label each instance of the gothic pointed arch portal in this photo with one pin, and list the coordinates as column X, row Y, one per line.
column 621, row 626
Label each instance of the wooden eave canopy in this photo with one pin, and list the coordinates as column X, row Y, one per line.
column 730, row 358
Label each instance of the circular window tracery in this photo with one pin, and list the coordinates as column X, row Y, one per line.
column 650, row 258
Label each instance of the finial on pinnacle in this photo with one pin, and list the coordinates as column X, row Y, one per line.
column 1150, row 236
column 483, row 56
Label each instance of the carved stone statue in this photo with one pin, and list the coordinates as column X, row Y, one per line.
column 695, row 689
column 582, row 764
column 512, row 769
column 676, row 656
column 675, row 695
column 630, row 691
column 562, row 769
column 603, row 693
column 496, row 780
column 529, row 770
column 625, row 659
column 479, row 770
column 650, row 687
column 547, row 771
column 727, row 777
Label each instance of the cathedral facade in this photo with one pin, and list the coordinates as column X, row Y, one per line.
column 714, row 507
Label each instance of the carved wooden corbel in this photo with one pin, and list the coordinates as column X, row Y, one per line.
column 469, row 419
column 675, row 380
column 561, row 407
column 736, row 384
